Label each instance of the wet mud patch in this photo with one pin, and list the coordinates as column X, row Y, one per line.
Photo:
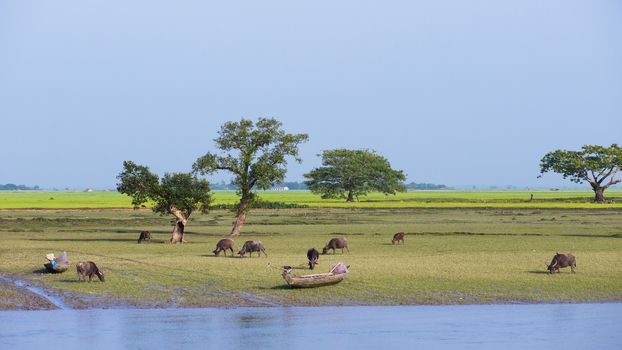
column 16, row 297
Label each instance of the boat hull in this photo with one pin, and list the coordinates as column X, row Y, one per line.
column 312, row 281
column 57, row 269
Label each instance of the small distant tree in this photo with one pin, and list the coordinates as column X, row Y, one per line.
column 255, row 153
column 178, row 194
column 352, row 173
column 596, row 165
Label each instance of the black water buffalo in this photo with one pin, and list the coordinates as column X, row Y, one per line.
column 313, row 255
column 89, row 269
column 336, row 243
column 398, row 237
column 144, row 236
column 252, row 246
column 223, row 245
column 560, row 261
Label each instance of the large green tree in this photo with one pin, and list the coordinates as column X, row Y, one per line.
column 596, row 165
column 352, row 173
column 255, row 153
column 178, row 194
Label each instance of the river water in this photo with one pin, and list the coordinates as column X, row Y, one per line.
column 542, row 326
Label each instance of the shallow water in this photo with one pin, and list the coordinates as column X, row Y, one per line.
column 577, row 326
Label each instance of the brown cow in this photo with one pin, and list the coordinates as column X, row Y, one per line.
column 144, row 236
column 398, row 237
column 560, row 261
column 89, row 269
column 336, row 243
column 252, row 246
column 223, row 245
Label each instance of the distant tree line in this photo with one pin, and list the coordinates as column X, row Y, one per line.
column 292, row 185
column 14, row 187
column 426, row 186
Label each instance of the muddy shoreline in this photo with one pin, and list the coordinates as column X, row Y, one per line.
column 16, row 297
column 22, row 294
column 19, row 294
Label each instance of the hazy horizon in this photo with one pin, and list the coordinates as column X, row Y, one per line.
column 455, row 93
column 474, row 187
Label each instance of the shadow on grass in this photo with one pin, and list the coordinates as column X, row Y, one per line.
column 277, row 287
column 41, row 270
column 561, row 272
column 220, row 256
column 539, row 272
column 67, row 280
column 615, row 235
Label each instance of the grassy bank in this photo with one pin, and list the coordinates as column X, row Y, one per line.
column 450, row 256
column 412, row 199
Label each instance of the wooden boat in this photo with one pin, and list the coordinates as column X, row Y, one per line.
column 56, row 269
column 337, row 274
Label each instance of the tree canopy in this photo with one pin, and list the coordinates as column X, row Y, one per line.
column 596, row 165
column 352, row 173
column 256, row 154
column 178, row 194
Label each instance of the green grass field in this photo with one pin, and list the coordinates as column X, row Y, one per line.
column 460, row 255
column 413, row 199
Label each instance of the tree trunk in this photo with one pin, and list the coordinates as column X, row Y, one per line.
column 239, row 222
column 599, row 195
column 350, row 197
column 180, row 226
column 178, row 232
column 241, row 218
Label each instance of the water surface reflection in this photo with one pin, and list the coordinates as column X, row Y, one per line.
column 579, row 326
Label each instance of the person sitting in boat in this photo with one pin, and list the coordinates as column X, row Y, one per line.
column 52, row 259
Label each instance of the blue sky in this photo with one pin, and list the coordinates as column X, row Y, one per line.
column 455, row 92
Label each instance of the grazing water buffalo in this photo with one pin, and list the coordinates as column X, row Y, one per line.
column 89, row 269
column 313, row 255
column 144, row 236
column 560, row 261
column 336, row 243
column 223, row 245
column 398, row 237
column 252, row 246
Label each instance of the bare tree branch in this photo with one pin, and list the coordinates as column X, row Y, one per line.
column 613, row 171
column 600, row 174
column 613, row 181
